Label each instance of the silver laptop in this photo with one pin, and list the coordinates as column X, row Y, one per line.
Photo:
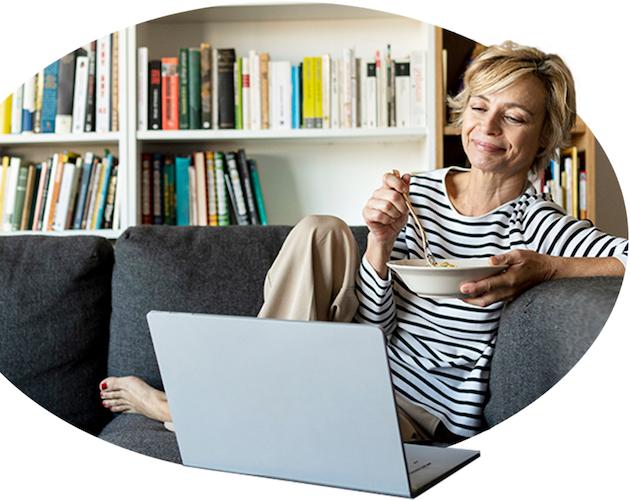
column 303, row 401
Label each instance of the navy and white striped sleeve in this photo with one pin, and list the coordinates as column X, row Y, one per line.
column 550, row 231
column 375, row 294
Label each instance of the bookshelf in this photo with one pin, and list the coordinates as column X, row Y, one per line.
column 331, row 171
column 449, row 151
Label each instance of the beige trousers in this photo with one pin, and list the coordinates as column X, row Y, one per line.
column 312, row 279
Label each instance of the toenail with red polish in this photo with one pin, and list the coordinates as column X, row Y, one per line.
column 104, row 385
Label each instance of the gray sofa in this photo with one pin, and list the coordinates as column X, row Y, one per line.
column 72, row 311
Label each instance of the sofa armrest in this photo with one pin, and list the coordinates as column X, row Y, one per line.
column 542, row 334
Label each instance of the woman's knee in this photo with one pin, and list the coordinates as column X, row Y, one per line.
column 323, row 224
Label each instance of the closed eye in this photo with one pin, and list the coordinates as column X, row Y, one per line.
column 514, row 119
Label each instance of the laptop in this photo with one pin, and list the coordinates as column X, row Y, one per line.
column 295, row 400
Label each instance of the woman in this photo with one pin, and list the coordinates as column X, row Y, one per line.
column 517, row 107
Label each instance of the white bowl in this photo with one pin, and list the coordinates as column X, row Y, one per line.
column 442, row 282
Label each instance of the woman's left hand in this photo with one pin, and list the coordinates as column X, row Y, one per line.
column 526, row 269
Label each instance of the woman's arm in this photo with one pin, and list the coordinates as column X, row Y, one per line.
column 528, row 268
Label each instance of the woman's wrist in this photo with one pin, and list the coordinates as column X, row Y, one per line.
column 582, row 267
column 378, row 254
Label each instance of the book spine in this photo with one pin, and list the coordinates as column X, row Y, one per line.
column 213, row 219
column 308, row 120
column 192, row 196
column 281, row 95
column 65, row 89
column 325, row 77
column 402, row 92
column 90, row 107
column 89, row 199
column 296, row 96
column 238, row 94
column 184, row 117
column 170, row 91
column 83, row 189
column 241, row 206
column 182, row 190
column 61, row 209
column 254, row 90
column 96, row 195
column 205, row 53
column 215, row 89
column 80, row 94
column 49, row 98
column 381, row 81
column 115, row 86
column 111, row 199
column 202, row 193
column 157, row 185
column 16, row 110
column 5, row 115
column 243, row 170
column 391, row 89
column 102, row 192
column 264, row 90
column 155, row 95
column 143, row 88
column 246, row 94
column 39, row 100
column 54, row 188
column 357, row 96
column 28, row 105
column 28, row 198
column 47, row 187
column 230, row 197
column 418, row 82
column 371, row 96
column 317, row 94
column 194, row 88
column 362, row 76
column 146, row 187
column 170, row 207
column 260, row 202
column 225, row 65
column 223, row 213
column 103, row 84
column 38, row 178
column 40, row 201
column 583, row 205
column 20, row 192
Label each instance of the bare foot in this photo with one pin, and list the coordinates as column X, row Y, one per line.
column 134, row 395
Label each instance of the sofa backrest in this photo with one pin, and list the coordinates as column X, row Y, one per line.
column 55, row 303
column 190, row 269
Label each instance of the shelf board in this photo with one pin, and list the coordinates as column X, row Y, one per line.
column 85, row 138
column 388, row 134
column 105, row 233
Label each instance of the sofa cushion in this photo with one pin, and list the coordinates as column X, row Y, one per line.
column 214, row 270
column 143, row 435
column 55, row 298
column 542, row 334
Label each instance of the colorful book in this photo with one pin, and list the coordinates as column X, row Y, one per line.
column 225, row 63
column 157, row 186
column 192, row 196
column 20, row 193
column 65, row 92
column 88, row 164
column 238, row 94
column 40, row 201
column 223, row 210
column 92, row 194
column 258, row 192
column 102, row 192
column 213, row 219
column 184, row 117
column 318, row 109
column 103, row 84
column 155, row 95
column 39, row 99
column 110, row 204
column 27, row 221
column 242, row 217
column 170, row 94
column 245, row 94
column 97, row 194
column 49, row 98
column 5, row 115
column 296, row 97
column 243, row 170
column 115, row 83
column 90, row 106
column 146, row 188
column 170, row 208
column 264, row 90
column 194, row 88
column 205, row 54
column 182, row 187
column 308, row 96
column 9, row 193
column 63, row 201
column 201, row 191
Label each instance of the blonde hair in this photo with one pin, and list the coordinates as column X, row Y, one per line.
column 499, row 66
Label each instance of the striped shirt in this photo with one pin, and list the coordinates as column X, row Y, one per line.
column 440, row 349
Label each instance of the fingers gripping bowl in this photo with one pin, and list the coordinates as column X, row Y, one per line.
column 444, row 280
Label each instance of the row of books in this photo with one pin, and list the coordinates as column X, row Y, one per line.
column 206, row 188
column 77, row 93
column 565, row 178
column 66, row 191
column 208, row 88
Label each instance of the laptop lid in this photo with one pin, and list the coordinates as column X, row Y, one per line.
column 304, row 401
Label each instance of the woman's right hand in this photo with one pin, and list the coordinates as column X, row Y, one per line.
column 385, row 215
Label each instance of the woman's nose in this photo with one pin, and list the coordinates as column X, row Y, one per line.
column 490, row 123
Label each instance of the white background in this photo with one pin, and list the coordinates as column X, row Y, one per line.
column 571, row 443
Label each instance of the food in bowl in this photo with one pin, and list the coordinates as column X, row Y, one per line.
column 442, row 281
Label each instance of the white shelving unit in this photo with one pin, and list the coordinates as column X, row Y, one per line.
column 330, row 171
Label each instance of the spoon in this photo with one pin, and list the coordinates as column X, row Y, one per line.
column 427, row 252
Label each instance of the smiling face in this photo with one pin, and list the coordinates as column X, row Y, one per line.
column 501, row 131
